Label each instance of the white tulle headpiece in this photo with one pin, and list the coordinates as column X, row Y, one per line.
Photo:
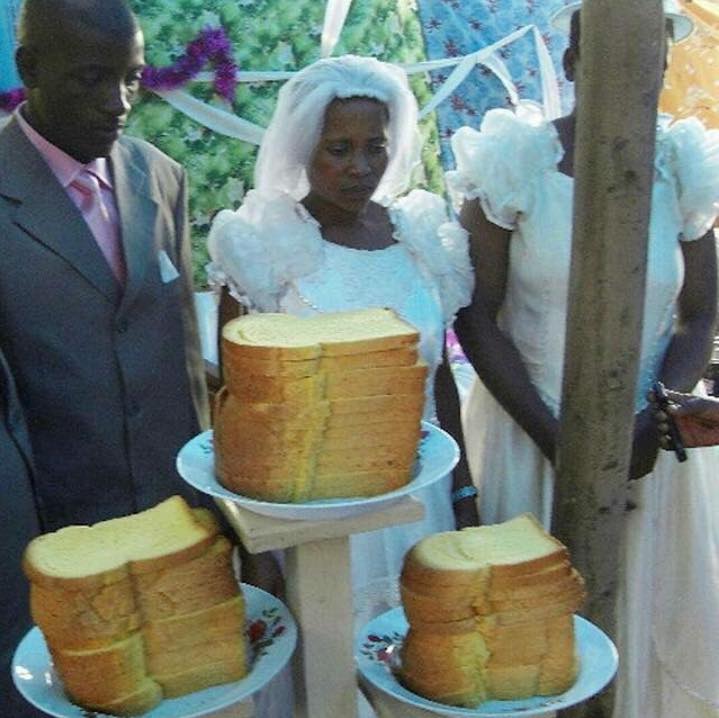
column 297, row 122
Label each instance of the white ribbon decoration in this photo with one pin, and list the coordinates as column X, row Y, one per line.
column 468, row 62
column 335, row 16
column 231, row 125
column 214, row 118
column 550, row 86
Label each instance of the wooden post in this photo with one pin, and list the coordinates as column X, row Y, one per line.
column 318, row 587
column 618, row 86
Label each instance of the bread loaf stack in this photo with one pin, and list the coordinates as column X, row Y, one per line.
column 322, row 407
column 138, row 608
column 490, row 614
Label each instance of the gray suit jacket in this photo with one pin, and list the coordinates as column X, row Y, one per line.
column 111, row 381
column 18, row 524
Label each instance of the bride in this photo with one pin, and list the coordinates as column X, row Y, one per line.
column 327, row 228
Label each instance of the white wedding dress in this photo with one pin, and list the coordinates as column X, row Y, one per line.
column 668, row 610
column 272, row 256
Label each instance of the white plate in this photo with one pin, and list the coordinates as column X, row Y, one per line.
column 377, row 652
column 438, row 454
column 270, row 627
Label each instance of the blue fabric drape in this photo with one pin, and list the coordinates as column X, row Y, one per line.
column 458, row 27
column 9, row 78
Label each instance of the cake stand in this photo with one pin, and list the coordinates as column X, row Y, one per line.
column 377, row 649
column 324, row 671
column 437, row 454
column 272, row 636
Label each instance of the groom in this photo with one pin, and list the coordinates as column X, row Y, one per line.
column 96, row 305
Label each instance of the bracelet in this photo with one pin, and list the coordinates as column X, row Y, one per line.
column 463, row 492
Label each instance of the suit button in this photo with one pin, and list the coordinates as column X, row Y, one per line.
column 133, row 409
column 122, row 326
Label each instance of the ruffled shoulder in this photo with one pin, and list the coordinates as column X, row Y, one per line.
column 502, row 163
column 258, row 249
column 690, row 153
column 439, row 245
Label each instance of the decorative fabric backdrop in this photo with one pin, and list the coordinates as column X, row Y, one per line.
column 692, row 81
column 266, row 35
column 457, row 27
column 9, row 78
column 285, row 35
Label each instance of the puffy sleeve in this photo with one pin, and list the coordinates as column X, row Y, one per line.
column 258, row 249
column 502, row 163
column 440, row 246
column 695, row 159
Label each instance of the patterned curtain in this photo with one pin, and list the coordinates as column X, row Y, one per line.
column 457, row 27
column 691, row 84
column 282, row 35
column 9, row 79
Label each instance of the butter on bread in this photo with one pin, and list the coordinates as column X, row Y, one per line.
column 111, row 599
column 490, row 612
column 312, row 403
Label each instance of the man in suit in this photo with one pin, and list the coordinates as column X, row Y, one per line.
column 96, row 306
column 18, row 524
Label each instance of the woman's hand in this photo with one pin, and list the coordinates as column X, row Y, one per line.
column 696, row 418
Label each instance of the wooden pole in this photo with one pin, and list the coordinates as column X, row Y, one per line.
column 619, row 78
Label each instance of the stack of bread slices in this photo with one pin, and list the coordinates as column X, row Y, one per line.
column 490, row 612
column 327, row 406
column 138, row 608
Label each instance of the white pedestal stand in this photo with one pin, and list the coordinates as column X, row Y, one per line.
column 318, row 588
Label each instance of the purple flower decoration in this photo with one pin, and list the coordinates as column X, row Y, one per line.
column 11, row 99
column 211, row 46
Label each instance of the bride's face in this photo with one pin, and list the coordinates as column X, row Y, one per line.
column 350, row 157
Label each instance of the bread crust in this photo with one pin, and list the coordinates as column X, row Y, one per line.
column 490, row 614
column 108, row 631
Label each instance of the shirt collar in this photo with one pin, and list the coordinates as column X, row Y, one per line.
column 64, row 167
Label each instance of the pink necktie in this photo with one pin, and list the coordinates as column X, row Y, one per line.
column 98, row 219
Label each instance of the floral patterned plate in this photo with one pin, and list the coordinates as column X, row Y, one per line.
column 272, row 634
column 377, row 648
column 438, row 454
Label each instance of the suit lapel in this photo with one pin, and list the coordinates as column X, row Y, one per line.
column 138, row 212
column 45, row 212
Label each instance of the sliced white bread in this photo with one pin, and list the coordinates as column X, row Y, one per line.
column 494, row 600
column 190, row 587
column 268, row 337
column 146, row 696
column 347, row 484
column 109, row 599
column 97, row 677
column 87, row 557
column 193, row 634
column 89, row 618
column 375, row 381
column 294, row 389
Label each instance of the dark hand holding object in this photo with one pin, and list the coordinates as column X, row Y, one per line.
column 661, row 400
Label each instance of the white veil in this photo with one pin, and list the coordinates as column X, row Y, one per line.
column 297, row 122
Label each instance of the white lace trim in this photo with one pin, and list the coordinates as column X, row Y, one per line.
column 270, row 242
column 439, row 245
column 690, row 154
column 503, row 162
column 257, row 250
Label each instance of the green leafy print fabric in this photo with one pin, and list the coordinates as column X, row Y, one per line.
column 265, row 35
